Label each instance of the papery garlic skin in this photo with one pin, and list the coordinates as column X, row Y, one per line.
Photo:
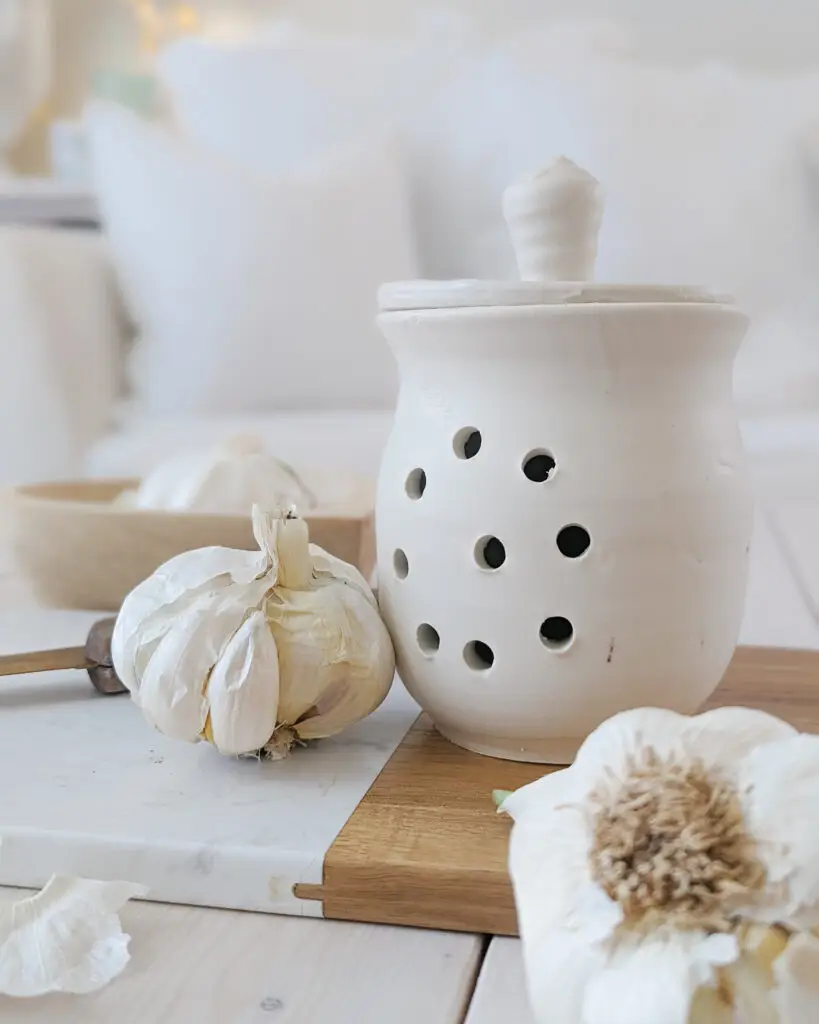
column 226, row 480
column 65, row 938
column 671, row 874
column 254, row 651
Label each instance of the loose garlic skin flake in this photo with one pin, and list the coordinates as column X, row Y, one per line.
column 254, row 651
column 65, row 938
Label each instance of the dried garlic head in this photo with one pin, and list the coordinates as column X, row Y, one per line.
column 671, row 874
column 225, row 480
column 254, row 651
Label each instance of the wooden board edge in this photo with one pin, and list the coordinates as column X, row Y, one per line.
column 453, row 902
column 359, row 883
column 364, row 880
column 320, row 892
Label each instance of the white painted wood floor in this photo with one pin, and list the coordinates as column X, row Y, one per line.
column 193, row 966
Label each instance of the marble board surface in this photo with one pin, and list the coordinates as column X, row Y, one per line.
column 90, row 789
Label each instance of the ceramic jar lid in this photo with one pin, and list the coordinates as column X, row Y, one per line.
column 554, row 218
column 409, row 295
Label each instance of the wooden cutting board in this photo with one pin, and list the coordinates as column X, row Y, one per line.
column 426, row 848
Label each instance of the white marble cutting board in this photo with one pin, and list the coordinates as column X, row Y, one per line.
column 89, row 788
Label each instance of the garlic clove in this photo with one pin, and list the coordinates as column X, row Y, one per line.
column 748, row 983
column 763, row 944
column 168, row 591
column 797, row 981
column 243, row 689
column 654, row 980
column 140, row 626
column 724, row 735
column 327, row 566
column 708, row 1006
column 336, row 659
column 172, row 692
column 752, row 999
column 776, row 783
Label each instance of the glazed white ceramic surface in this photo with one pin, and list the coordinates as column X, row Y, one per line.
column 633, row 401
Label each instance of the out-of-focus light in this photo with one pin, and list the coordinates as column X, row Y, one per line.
column 186, row 19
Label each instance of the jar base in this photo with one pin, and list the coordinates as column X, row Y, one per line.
column 554, row 750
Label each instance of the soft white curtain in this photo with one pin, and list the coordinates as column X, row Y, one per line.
column 25, row 65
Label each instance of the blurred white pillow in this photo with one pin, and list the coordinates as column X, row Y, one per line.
column 283, row 95
column 701, row 168
column 703, row 174
column 252, row 290
column 278, row 98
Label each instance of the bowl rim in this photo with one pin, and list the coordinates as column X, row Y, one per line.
column 33, row 494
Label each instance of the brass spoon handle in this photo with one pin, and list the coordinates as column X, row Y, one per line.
column 94, row 657
column 44, row 661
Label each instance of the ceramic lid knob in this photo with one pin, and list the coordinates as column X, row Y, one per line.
column 554, row 218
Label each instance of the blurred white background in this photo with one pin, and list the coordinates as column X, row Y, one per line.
column 259, row 168
column 759, row 33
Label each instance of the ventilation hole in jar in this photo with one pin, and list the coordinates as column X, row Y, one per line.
column 490, row 553
column 573, row 541
column 479, row 656
column 428, row 639
column 400, row 564
column 556, row 633
column 416, row 484
column 539, row 466
column 467, row 443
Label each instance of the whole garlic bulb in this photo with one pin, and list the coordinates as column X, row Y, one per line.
column 671, row 873
column 228, row 479
column 254, row 651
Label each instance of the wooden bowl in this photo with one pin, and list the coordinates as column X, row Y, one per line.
column 79, row 550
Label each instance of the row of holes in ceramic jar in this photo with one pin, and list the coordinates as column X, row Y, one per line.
column 538, row 466
column 556, row 634
column 490, row 553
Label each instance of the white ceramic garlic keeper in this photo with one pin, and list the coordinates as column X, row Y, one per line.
column 564, row 512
